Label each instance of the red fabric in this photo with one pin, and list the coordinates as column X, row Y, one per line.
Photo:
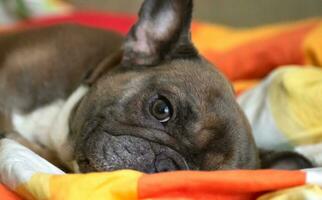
column 118, row 22
column 6, row 194
column 219, row 185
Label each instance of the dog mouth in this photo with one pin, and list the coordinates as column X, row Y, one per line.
column 116, row 152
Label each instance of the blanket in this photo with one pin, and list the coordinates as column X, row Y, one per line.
column 285, row 111
column 34, row 178
column 246, row 57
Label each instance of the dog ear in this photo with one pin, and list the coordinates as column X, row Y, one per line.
column 162, row 32
column 283, row 160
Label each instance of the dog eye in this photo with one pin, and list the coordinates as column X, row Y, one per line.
column 161, row 109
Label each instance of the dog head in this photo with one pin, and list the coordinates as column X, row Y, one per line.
column 163, row 107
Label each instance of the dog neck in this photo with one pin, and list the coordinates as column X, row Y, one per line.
column 48, row 126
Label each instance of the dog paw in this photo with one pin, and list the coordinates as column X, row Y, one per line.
column 284, row 160
column 2, row 135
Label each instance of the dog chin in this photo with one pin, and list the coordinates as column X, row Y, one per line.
column 110, row 152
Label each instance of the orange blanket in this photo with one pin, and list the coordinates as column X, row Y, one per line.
column 34, row 178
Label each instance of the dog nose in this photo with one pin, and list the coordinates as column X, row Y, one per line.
column 165, row 164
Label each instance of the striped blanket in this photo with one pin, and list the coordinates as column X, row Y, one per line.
column 34, row 178
column 283, row 104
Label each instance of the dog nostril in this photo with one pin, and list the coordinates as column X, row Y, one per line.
column 165, row 165
column 164, row 170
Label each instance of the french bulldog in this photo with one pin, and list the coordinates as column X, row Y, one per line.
column 90, row 100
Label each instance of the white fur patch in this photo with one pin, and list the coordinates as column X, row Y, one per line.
column 60, row 129
column 48, row 125
column 36, row 125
